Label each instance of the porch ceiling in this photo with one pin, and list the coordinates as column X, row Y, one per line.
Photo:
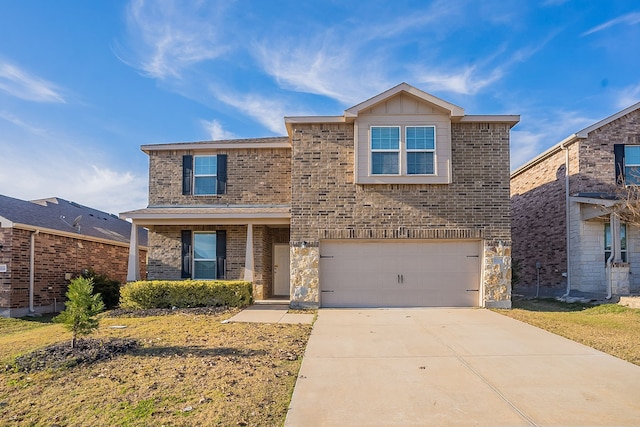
column 208, row 214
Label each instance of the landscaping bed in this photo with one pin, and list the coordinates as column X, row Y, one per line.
column 188, row 368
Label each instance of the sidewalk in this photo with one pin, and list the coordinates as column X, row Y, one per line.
column 271, row 313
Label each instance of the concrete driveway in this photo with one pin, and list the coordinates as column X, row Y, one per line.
column 455, row 367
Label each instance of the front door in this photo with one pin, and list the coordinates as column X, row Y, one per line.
column 281, row 270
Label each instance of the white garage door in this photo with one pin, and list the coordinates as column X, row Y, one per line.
column 399, row 274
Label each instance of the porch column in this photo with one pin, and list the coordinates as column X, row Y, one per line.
column 133, row 271
column 248, row 259
column 615, row 238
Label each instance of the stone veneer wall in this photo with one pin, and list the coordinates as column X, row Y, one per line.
column 326, row 203
column 254, row 176
column 54, row 257
column 497, row 275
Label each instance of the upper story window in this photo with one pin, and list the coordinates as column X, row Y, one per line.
column 204, row 174
column 632, row 164
column 413, row 156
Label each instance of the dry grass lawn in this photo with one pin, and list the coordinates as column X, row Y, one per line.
column 190, row 370
column 610, row 328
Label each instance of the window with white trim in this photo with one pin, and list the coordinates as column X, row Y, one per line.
column 205, row 175
column 623, row 242
column 632, row 164
column 204, row 256
column 390, row 155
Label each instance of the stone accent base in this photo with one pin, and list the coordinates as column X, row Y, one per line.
column 497, row 275
column 305, row 281
column 619, row 274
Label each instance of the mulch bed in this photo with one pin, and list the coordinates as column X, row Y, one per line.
column 86, row 351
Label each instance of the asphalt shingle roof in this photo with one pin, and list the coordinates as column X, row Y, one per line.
column 59, row 214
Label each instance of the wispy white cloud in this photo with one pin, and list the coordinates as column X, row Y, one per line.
column 628, row 96
column 169, row 36
column 632, row 18
column 17, row 121
column 267, row 111
column 465, row 82
column 216, row 131
column 21, row 84
column 554, row 2
column 539, row 131
column 318, row 67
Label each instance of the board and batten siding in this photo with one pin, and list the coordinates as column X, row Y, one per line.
column 403, row 110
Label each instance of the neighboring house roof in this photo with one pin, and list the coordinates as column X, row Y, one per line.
column 270, row 142
column 582, row 134
column 196, row 214
column 67, row 217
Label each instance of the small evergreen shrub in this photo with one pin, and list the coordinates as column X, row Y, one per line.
column 109, row 289
column 185, row 294
column 82, row 306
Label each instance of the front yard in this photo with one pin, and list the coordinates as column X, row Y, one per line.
column 610, row 328
column 190, row 369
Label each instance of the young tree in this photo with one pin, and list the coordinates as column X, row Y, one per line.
column 82, row 306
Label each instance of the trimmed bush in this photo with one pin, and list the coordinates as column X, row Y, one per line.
column 109, row 289
column 185, row 294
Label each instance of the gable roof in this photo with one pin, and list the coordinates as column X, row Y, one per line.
column 455, row 113
column 454, row 110
column 61, row 215
column 581, row 134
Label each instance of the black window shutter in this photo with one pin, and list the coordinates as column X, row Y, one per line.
column 222, row 174
column 187, row 174
column 186, row 254
column 221, row 253
column 618, row 155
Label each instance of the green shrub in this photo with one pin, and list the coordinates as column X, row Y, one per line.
column 109, row 289
column 82, row 306
column 185, row 293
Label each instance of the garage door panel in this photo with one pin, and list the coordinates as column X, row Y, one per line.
column 399, row 274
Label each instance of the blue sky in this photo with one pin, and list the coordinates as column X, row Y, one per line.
column 84, row 83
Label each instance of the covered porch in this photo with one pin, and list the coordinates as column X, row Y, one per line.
column 241, row 242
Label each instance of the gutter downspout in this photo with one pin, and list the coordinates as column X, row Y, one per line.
column 32, row 268
column 567, row 215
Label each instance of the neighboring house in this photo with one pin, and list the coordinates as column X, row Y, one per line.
column 44, row 243
column 564, row 203
column 401, row 201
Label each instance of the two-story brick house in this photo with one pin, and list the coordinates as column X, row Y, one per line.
column 564, row 203
column 401, row 201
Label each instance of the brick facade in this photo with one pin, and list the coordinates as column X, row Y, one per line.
column 539, row 209
column 254, row 176
column 328, row 201
column 54, row 255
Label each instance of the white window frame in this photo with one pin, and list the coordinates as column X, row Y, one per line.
column 379, row 150
column 636, row 166
column 430, row 150
column 196, row 175
column 402, row 151
column 623, row 241
column 194, row 260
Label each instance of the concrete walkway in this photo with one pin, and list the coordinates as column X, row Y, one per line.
column 270, row 313
column 455, row 367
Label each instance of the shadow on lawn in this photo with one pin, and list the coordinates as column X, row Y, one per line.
column 196, row 352
column 548, row 305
